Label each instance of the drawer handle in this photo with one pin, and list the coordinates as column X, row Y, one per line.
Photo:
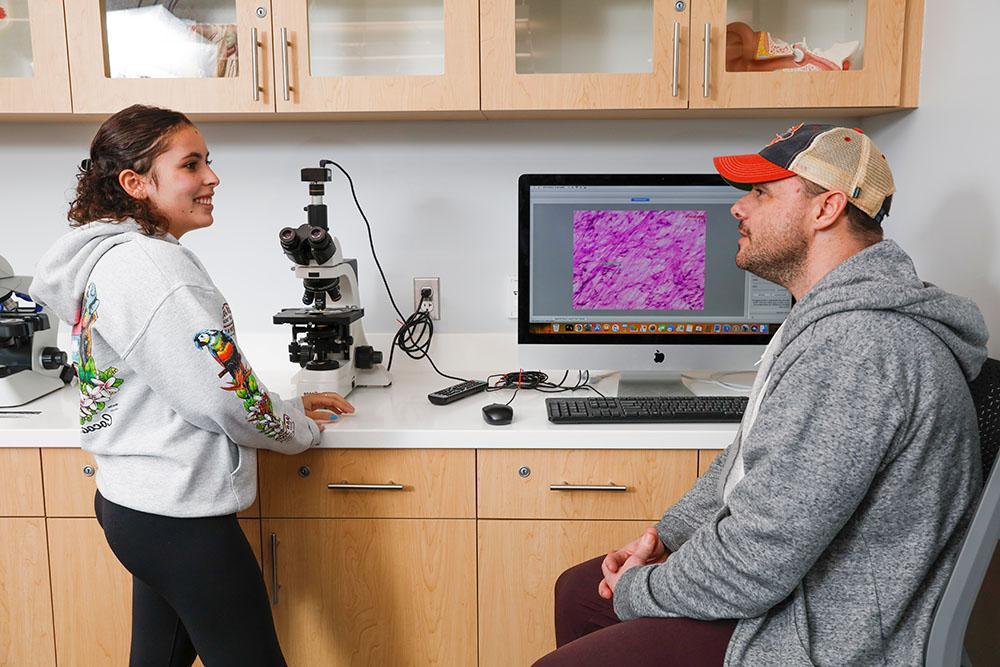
column 708, row 58
column 587, row 487
column 274, row 569
column 254, row 66
column 284, row 63
column 366, row 487
column 677, row 40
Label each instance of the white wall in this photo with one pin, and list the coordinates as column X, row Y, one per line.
column 945, row 157
column 441, row 198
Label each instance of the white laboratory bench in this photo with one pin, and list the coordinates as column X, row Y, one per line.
column 400, row 416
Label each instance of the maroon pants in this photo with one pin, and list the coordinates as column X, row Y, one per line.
column 588, row 634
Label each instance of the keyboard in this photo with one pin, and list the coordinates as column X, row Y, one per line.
column 646, row 409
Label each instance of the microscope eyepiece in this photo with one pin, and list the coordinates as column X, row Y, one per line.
column 294, row 247
column 321, row 244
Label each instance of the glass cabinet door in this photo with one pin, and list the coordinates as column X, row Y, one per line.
column 197, row 56
column 584, row 54
column 364, row 56
column 789, row 53
column 34, row 75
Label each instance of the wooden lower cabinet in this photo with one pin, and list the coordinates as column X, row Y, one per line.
column 373, row 591
column 519, row 562
column 92, row 593
column 26, row 634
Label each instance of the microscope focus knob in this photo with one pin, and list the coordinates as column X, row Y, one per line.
column 52, row 358
column 365, row 357
column 299, row 353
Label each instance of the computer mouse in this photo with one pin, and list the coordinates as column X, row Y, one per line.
column 498, row 414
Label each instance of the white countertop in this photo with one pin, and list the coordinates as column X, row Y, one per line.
column 401, row 415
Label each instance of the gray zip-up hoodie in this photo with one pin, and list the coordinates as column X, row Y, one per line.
column 169, row 406
column 860, row 474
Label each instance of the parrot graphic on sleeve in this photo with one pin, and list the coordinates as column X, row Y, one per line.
column 256, row 402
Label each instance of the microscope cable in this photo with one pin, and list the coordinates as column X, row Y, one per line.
column 414, row 336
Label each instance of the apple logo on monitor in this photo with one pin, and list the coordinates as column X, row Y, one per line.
column 658, row 357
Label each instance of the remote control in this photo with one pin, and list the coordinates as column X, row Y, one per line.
column 456, row 391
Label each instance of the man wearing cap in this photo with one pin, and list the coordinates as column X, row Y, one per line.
column 825, row 533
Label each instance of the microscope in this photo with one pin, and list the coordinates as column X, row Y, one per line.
column 328, row 341
column 30, row 363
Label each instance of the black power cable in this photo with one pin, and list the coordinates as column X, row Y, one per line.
column 414, row 336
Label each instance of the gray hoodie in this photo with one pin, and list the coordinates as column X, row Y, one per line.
column 169, row 406
column 860, row 474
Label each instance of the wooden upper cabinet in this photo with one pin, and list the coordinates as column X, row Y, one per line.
column 34, row 75
column 578, row 55
column 360, row 56
column 792, row 54
column 198, row 57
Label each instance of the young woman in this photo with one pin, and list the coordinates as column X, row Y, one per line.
column 169, row 406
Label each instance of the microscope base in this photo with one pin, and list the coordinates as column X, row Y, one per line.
column 26, row 386
column 342, row 381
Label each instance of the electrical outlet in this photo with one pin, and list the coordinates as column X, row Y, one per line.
column 434, row 285
column 512, row 297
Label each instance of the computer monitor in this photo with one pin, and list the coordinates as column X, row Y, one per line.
column 637, row 273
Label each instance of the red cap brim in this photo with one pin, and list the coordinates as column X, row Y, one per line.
column 745, row 170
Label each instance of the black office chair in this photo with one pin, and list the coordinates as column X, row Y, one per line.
column 945, row 645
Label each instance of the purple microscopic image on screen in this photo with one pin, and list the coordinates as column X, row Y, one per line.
column 639, row 260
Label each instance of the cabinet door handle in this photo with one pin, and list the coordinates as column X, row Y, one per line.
column 254, row 66
column 677, row 40
column 587, row 487
column 366, row 487
column 284, row 62
column 708, row 56
column 274, row 569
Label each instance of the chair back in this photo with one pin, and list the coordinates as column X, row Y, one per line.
column 945, row 644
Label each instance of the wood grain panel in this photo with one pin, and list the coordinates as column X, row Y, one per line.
column 705, row 458
column 95, row 92
column 457, row 89
column 92, row 593
column 504, row 89
column 912, row 42
column 48, row 90
column 436, row 483
column 519, row 562
column 375, row 592
column 69, row 490
column 21, row 491
column 876, row 84
column 656, row 479
column 26, row 635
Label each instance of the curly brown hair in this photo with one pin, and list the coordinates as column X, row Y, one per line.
column 130, row 139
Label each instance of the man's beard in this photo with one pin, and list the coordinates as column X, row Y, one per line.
column 781, row 261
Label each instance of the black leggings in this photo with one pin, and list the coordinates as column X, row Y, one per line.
column 196, row 590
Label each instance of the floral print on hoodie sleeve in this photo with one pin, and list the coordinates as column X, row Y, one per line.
column 96, row 386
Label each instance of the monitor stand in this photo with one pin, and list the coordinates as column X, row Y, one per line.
column 650, row 383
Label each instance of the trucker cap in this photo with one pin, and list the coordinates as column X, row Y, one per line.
column 837, row 158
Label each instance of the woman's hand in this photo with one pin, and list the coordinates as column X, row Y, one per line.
column 323, row 407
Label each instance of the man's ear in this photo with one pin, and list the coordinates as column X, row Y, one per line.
column 132, row 183
column 832, row 204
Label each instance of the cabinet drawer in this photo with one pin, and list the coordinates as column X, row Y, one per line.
column 369, row 483
column 582, row 484
column 21, row 491
column 70, row 484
